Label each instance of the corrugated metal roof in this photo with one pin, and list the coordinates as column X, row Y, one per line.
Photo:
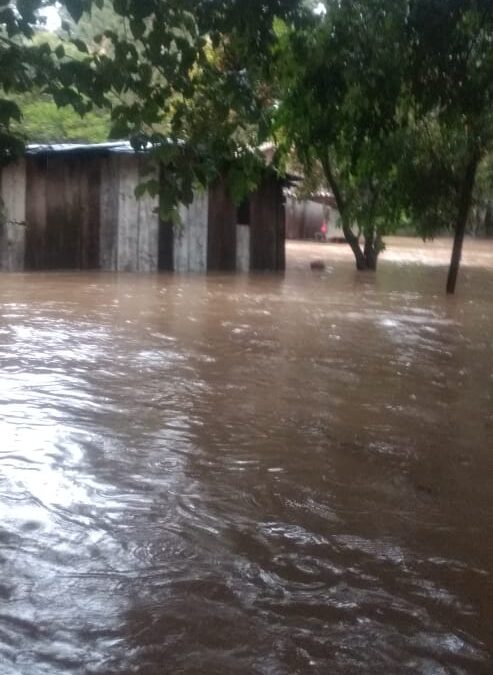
column 320, row 196
column 92, row 148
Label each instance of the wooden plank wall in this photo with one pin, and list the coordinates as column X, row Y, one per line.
column 165, row 237
column 12, row 216
column 267, row 226
column 129, row 227
column 243, row 248
column 63, row 211
column 109, row 207
column 190, row 237
column 221, row 240
column 165, row 246
column 81, row 213
column 137, row 223
column 36, row 212
column 147, row 220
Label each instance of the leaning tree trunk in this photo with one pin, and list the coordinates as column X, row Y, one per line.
column 349, row 235
column 352, row 240
column 465, row 200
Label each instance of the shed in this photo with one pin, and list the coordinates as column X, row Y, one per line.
column 73, row 206
column 306, row 217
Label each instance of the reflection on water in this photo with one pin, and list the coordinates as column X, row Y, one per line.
column 247, row 474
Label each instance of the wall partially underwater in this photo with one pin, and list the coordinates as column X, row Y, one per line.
column 74, row 207
column 13, row 216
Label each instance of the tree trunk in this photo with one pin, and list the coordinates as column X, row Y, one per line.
column 372, row 247
column 488, row 221
column 349, row 235
column 371, row 254
column 352, row 240
column 465, row 200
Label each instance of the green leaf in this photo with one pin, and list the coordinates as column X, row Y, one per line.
column 80, row 44
column 120, row 7
column 140, row 190
column 28, row 9
column 75, row 9
column 9, row 111
column 138, row 28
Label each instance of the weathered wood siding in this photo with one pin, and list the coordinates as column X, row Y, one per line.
column 166, row 246
column 12, row 221
column 138, row 220
column 63, row 212
column 81, row 212
column 166, row 237
column 267, row 226
column 190, row 237
column 221, row 242
column 243, row 248
column 36, row 213
column 109, row 208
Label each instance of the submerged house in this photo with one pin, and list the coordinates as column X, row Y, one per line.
column 314, row 217
column 74, row 207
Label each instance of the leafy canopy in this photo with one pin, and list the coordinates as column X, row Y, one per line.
column 341, row 106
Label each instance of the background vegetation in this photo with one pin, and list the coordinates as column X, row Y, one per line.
column 388, row 102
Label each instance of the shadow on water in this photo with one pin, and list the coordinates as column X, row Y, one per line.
column 246, row 474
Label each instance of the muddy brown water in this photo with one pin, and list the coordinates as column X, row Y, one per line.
column 249, row 474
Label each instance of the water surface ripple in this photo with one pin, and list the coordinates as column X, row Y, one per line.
column 247, row 474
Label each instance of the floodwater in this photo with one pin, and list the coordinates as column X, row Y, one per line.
column 249, row 474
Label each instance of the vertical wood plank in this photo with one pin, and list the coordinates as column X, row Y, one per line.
column 109, row 213
column 93, row 214
column 148, row 223
column 190, row 238
column 221, row 239
column 128, row 217
column 13, row 231
column 36, row 212
column 267, row 227
column 243, row 248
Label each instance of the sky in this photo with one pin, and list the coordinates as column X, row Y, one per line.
column 52, row 18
